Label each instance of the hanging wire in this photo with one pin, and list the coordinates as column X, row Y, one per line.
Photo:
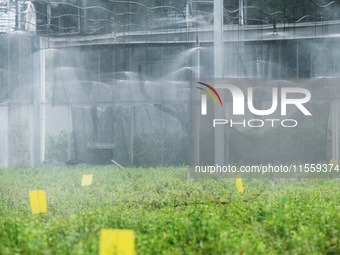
column 155, row 17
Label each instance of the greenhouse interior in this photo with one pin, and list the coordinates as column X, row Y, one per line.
column 187, row 127
column 102, row 81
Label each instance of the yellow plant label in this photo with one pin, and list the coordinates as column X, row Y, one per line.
column 38, row 201
column 239, row 184
column 117, row 242
column 87, row 180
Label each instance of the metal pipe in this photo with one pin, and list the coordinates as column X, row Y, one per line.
column 241, row 12
column 218, row 73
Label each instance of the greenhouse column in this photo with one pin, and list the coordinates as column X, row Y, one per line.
column 42, row 104
column 39, row 115
column 218, row 73
column 197, row 107
column 241, row 12
column 335, row 130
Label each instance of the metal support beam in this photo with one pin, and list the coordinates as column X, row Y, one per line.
column 232, row 33
column 42, row 104
column 39, row 107
column 218, row 73
column 335, row 130
column 196, row 110
column 241, row 12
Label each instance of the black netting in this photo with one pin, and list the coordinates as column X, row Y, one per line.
column 136, row 128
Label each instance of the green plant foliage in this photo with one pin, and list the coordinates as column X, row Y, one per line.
column 57, row 146
column 169, row 213
column 148, row 149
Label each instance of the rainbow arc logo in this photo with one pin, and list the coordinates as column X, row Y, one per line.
column 212, row 93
